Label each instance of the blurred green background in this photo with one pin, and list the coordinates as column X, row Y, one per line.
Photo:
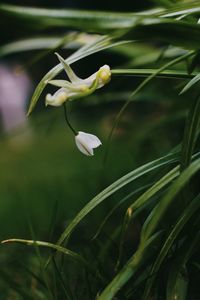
column 44, row 179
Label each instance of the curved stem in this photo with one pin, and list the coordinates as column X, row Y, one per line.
column 67, row 120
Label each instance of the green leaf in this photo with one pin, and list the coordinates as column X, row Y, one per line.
column 190, row 84
column 136, row 261
column 143, row 251
column 179, row 290
column 177, row 280
column 138, row 89
column 58, row 248
column 143, row 26
column 190, row 134
column 157, row 214
column 117, row 185
column 188, row 213
column 191, row 7
column 177, row 74
column 135, row 208
column 160, row 29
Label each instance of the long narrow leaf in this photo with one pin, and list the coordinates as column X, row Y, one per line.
column 190, row 84
column 134, row 209
column 190, row 134
column 162, row 206
column 146, row 72
column 177, row 271
column 117, row 185
column 58, row 248
column 185, row 217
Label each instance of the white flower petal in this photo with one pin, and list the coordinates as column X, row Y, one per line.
column 87, row 142
column 58, row 98
column 70, row 73
column 84, row 149
column 90, row 139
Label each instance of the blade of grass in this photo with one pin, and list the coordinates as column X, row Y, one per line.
column 176, row 271
column 157, row 214
column 132, row 266
column 117, row 185
column 139, row 25
column 190, row 84
column 73, row 255
column 176, row 74
column 147, row 237
column 67, row 292
column 138, row 89
column 184, row 218
column 127, row 197
column 134, row 209
column 190, row 134
column 42, row 268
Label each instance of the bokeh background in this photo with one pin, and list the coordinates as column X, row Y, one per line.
column 44, row 179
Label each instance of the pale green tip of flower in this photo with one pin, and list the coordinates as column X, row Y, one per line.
column 105, row 74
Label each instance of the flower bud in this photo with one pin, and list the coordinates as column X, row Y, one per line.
column 87, row 142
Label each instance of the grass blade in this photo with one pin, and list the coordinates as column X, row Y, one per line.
column 190, row 134
column 134, row 209
column 176, row 74
column 135, row 262
column 69, row 253
column 190, row 84
column 184, row 218
column 160, row 209
column 117, row 185
column 177, row 270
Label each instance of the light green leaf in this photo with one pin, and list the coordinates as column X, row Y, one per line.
column 190, row 84
column 58, row 248
column 143, row 26
column 146, row 72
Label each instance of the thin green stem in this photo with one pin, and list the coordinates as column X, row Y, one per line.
column 67, row 120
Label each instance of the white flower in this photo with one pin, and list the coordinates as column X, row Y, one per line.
column 87, row 142
column 76, row 87
column 57, row 99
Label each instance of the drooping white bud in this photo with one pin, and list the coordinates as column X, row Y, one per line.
column 87, row 142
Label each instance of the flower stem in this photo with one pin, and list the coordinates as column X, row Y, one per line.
column 67, row 120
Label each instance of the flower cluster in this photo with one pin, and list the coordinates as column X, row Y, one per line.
column 74, row 89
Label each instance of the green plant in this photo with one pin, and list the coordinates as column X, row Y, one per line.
column 146, row 245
